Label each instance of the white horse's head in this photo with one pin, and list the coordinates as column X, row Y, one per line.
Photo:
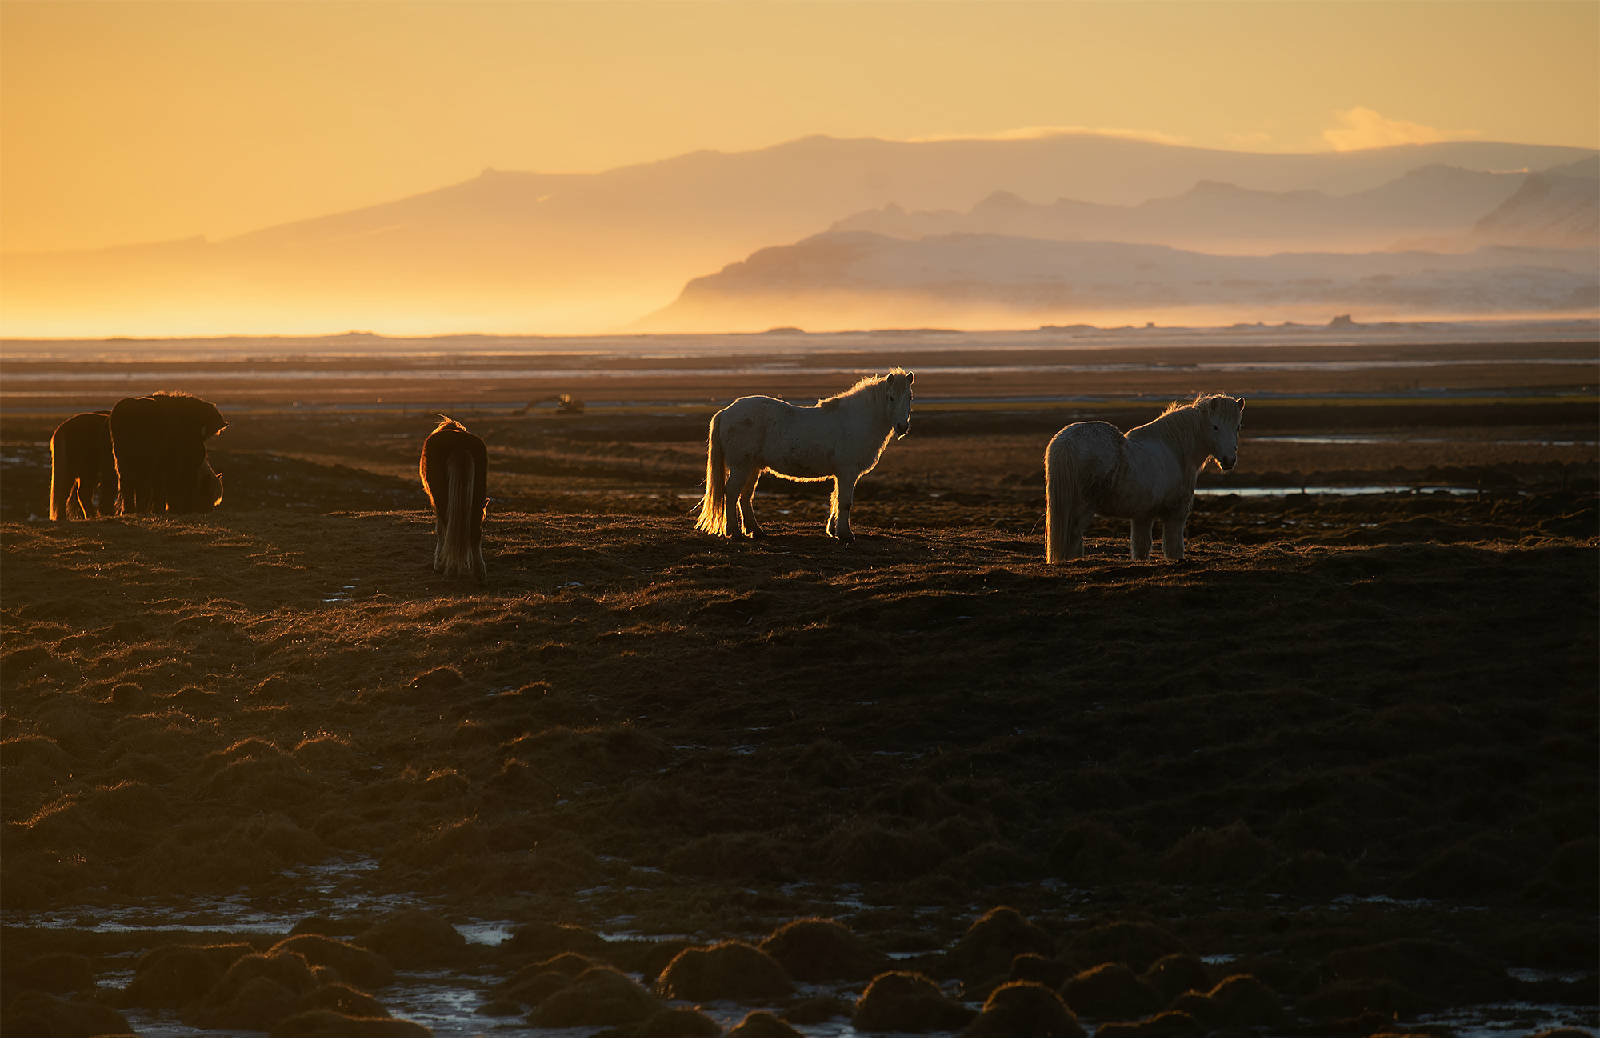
column 897, row 395
column 1223, row 416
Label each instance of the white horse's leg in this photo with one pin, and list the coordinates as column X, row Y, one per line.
column 844, row 491
column 1077, row 522
column 1140, row 531
column 738, row 475
column 747, row 505
column 1172, row 533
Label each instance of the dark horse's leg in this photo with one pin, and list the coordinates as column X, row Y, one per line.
column 441, row 503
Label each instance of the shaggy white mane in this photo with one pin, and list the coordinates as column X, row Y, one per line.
column 1200, row 400
column 868, row 382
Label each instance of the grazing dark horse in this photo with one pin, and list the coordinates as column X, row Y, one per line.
column 159, row 442
column 455, row 473
column 82, row 469
column 207, row 488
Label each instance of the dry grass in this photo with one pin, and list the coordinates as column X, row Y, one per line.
column 631, row 724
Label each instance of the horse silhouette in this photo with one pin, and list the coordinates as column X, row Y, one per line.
column 159, row 442
column 840, row 438
column 455, row 469
column 83, row 471
column 1149, row 474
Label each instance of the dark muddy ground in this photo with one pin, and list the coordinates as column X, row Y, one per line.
column 1347, row 751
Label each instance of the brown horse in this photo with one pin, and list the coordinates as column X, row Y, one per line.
column 159, row 442
column 82, row 469
column 455, row 471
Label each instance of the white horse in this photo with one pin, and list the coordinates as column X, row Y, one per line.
column 1149, row 474
column 840, row 438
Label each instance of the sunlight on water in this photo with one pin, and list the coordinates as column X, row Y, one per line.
column 448, row 1002
column 1328, row 490
column 318, row 889
column 1347, row 439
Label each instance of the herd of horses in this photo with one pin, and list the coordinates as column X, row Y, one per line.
column 146, row 454
column 155, row 448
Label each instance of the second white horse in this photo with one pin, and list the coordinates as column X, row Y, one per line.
column 1149, row 474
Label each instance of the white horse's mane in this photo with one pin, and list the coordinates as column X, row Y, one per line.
column 1200, row 400
column 864, row 384
column 1182, row 424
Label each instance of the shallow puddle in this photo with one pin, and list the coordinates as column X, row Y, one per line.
column 1359, row 439
column 1329, row 490
column 449, row 1001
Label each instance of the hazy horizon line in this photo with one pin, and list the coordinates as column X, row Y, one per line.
column 1336, row 323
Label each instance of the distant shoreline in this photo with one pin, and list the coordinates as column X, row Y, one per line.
column 1575, row 328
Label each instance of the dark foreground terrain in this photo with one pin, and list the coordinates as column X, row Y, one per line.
column 1336, row 774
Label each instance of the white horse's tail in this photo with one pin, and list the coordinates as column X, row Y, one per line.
column 714, row 502
column 1060, row 490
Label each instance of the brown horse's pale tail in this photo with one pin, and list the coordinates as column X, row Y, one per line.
column 60, row 486
column 714, row 502
column 461, row 556
column 1058, row 494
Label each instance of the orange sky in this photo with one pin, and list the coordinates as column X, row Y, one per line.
column 123, row 121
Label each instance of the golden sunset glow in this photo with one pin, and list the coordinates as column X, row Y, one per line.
column 742, row 517
column 130, row 122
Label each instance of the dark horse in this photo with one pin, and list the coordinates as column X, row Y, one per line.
column 159, row 442
column 82, row 470
column 207, row 488
column 455, row 472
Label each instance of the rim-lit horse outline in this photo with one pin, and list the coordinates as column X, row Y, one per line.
column 1092, row 468
column 455, row 472
column 839, row 438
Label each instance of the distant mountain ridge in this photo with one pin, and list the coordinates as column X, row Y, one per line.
column 860, row 279
column 1557, row 208
column 531, row 252
column 1431, row 202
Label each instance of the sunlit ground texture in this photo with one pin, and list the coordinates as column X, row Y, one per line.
column 1347, row 749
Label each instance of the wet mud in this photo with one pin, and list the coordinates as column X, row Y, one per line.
column 264, row 771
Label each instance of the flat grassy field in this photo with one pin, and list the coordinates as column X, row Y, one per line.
column 1348, row 749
